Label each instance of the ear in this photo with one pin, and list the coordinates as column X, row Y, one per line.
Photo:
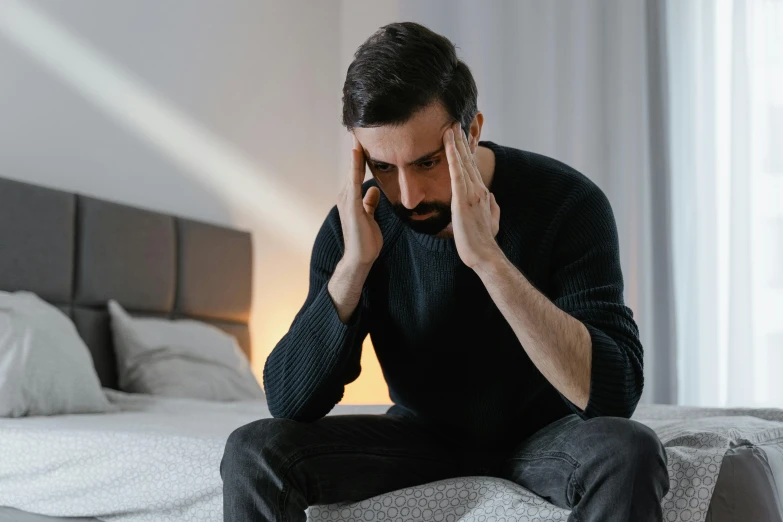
column 475, row 131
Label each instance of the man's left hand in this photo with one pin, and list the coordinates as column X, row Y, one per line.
column 475, row 215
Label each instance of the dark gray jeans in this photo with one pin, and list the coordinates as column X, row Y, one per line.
column 603, row 469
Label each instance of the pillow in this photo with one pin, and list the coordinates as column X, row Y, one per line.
column 45, row 367
column 180, row 358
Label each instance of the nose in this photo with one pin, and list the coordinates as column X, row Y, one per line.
column 411, row 190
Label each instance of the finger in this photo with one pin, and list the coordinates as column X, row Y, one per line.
column 458, row 187
column 467, row 158
column 473, row 165
column 458, row 143
column 357, row 163
column 371, row 200
column 356, row 177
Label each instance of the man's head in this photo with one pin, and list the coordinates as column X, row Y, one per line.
column 402, row 91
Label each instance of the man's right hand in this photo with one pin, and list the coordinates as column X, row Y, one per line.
column 361, row 235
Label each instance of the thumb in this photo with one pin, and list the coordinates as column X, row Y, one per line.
column 371, row 200
column 495, row 212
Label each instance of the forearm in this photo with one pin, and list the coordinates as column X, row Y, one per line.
column 345, row 287
column 556, row 343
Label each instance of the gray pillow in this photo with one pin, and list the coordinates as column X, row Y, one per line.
column 45, row 367
column 180, row 358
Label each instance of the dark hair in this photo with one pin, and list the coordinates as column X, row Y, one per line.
column 402, row 68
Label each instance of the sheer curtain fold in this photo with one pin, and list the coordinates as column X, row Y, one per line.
column 725, row 75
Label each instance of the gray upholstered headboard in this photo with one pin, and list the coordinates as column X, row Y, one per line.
column 78, row 252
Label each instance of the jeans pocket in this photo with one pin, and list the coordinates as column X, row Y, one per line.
column 548, row 474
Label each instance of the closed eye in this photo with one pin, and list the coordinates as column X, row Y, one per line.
column 385, row 167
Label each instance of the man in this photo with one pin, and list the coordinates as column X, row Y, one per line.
column 489, row 281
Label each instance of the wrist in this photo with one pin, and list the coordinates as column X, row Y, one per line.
column 490, row 263
column 345, row 288
column 350, row 277
column 353, row 270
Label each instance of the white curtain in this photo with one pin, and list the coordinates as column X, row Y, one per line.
column 725, row 70
column 580, row 81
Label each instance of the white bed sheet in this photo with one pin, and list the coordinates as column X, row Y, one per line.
column 159, row 460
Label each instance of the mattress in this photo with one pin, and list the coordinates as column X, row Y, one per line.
column 158, row 460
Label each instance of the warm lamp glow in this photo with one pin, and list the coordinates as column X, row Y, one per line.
column 370, row 387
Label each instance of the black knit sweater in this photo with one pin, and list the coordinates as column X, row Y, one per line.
column 449, row 357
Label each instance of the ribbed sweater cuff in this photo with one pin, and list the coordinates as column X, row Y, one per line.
column 612, row 386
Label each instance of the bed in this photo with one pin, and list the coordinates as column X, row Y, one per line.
column 157, row 458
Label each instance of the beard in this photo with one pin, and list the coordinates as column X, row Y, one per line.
column 439, row 220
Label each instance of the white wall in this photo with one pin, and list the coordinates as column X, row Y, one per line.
column 255, row 83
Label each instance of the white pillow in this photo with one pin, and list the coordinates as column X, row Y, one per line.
column 45, row 367
column 180, row 358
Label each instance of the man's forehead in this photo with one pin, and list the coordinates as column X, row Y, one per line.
column 401, row 144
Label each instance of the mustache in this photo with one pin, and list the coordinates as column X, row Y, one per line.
column 420, row 209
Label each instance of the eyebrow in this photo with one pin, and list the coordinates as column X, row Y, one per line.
column 422, row 159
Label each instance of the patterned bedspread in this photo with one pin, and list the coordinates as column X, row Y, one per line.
column 159, row 459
